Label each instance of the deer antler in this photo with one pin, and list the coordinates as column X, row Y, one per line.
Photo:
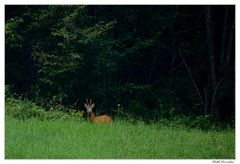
column 89, row 105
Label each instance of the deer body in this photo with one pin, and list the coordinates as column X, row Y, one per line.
column 93, row 119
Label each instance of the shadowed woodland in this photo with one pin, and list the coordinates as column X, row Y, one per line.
column 141, row 62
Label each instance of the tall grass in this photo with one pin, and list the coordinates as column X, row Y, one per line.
column 66, row 139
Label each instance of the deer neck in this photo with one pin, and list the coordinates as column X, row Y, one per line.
column 91, row 117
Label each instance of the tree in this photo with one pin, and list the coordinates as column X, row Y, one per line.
column 174, row 58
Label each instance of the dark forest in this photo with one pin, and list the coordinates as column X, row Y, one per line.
column 142, row 62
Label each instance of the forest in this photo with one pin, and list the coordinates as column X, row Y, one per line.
column 142, row 62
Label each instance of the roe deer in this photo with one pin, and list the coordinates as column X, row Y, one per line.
column 93, row 119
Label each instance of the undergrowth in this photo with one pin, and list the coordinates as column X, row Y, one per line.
column 25, row 109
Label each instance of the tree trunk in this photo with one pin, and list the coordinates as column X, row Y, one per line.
column 229, row 49
column 210, row 47
column 224, row 38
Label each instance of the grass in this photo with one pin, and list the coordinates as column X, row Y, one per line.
column 66, row 139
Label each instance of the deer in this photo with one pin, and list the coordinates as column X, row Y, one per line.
column 104, row 119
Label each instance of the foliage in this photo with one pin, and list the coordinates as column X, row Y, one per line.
column 153, row 60
column 14, row 39
column 25, row 109
column 8, row 91
column 199, row 122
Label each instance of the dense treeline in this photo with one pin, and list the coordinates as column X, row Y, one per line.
column 155, row 61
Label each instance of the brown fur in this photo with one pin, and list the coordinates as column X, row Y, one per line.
column 100, row 119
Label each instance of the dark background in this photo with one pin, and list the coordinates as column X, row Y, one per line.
column 155, row 61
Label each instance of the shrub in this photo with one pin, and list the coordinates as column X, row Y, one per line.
column 7, row 91
column 25, row 109
column 202, row 122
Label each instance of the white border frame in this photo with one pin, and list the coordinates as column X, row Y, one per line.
column 111, row 2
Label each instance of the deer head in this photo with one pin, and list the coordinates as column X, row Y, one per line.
column 89, row 105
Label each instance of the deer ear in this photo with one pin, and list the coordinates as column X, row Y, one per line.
column 93, row 105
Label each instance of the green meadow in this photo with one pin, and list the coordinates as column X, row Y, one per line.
column 69, row 139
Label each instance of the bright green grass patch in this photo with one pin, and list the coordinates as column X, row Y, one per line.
column 33, row 139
